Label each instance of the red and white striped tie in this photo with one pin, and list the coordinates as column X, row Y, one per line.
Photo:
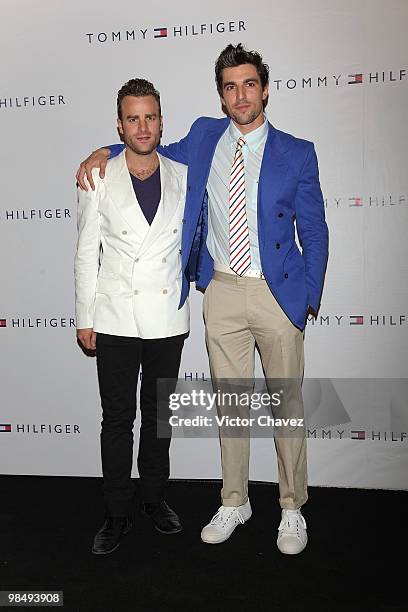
column 240, row 253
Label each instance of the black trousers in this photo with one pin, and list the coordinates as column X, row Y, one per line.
column 118, row 362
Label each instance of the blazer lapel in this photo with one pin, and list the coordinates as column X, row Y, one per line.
column 206, row 150
column 120, row 188
column 170, row 197
column 197, row 179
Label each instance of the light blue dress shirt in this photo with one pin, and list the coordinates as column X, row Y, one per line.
column 218, row 191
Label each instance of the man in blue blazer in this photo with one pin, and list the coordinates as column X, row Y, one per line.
column 248, row 184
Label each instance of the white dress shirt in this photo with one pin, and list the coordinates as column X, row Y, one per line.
column 218, row 191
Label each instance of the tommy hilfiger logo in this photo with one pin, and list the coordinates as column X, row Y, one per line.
column 174, row 31
column 371, row 320
column 160, row 32
column 357, row 435
column 355, row 78
column 35, row 214
column 373, row 435
column 367, row 201
column 356, row 319
column 38, row 101
column 40, row 428
column 38, row 322
column 374, row 77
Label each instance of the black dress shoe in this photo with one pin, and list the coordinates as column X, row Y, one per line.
column 108, row 537
column 164, row 518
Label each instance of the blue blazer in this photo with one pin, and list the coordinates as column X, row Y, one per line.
column 288, row 191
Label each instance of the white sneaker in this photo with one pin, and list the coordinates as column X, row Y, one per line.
column 292, row 537
column 224, row 522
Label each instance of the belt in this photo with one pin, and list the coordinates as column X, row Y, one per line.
column 253, row 273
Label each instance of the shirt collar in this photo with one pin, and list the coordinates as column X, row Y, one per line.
column 253, row 139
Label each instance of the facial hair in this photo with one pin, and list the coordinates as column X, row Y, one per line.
column 134, row 147
column 240, row 120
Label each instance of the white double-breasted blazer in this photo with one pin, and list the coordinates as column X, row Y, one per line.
column 127, row 272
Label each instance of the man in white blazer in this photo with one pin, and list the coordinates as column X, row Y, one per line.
column 128, row 283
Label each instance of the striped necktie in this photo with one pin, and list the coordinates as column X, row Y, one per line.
column 240, row 254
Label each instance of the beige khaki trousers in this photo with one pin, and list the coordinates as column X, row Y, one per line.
column 239, row 313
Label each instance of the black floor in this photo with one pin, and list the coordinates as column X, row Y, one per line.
column 355, row 559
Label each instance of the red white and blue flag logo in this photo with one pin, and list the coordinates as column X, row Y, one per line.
column 3, row 322
column 357, row 435
column 160, row 32
column 5, row 427
column 356, row 320
column 356, row 78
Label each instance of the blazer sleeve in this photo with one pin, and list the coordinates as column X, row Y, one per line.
column 86, row 264
column 115, row 149
column 177, row 151
column 184, row 151
column 311, row 227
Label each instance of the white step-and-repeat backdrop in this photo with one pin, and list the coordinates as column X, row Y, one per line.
column 339, row 76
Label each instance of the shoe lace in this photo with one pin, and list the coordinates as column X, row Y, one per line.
column 290, row 521
column 224, row 514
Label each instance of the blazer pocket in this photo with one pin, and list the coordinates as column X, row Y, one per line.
column 108, row 283
column 294, row 258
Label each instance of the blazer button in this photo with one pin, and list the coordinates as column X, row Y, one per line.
column 137, row 260
column 180, row 251
column 183, row 220
column 280, row 215
column 164, row 260
column 174, row 231
column 124, row 232
column 286, row 275
column 277, row 245
column 136, row 292
column 164, row 290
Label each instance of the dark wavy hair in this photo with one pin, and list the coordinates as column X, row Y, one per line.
column 232, row 56
column 137, row 88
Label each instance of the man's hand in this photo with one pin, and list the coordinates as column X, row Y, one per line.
column 87, row 338
column 311, row 311
column 97, row 159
